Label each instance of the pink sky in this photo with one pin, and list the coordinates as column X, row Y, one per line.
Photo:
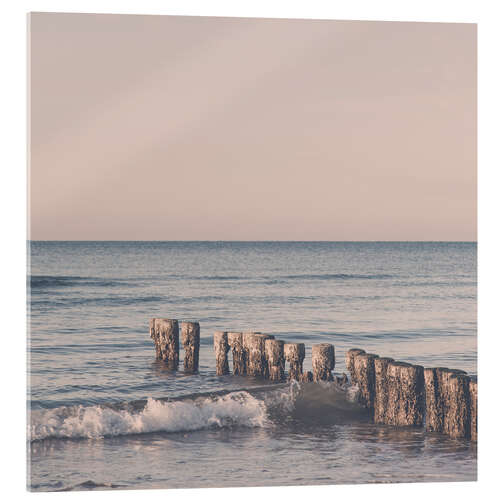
column 191, row 128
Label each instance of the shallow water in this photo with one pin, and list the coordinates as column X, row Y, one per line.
column 90, row 348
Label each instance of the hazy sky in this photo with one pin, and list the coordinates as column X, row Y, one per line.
column 191, row 128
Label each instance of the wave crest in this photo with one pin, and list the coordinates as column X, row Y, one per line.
column 234, row 409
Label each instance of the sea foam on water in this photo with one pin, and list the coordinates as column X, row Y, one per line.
column 234, row 409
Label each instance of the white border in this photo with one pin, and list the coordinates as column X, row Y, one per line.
column 13, row 200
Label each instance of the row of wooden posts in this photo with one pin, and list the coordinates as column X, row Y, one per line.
column 395, row 393
column 261, row 355
column 165, row 334
column 403, row 394
column 254, row 354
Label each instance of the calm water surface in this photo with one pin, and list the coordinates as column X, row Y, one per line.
column 105, row 414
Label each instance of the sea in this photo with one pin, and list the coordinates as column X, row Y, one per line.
column 104, row 414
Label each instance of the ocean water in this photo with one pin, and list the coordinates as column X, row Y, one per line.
column 104, row 414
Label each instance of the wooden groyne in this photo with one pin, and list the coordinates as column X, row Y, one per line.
column 394, row 393
column 401, row 394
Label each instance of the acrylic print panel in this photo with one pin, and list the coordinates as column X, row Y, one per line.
column 252, row 252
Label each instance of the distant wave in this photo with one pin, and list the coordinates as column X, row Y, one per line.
column 221, row 278
column 42, row 282
column 338, row 276
column 108, row 301
column 38, row 281
column 233, row 409
column 281, row 279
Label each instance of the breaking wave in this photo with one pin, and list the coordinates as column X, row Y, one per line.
column 293, row 403
column 233, row 409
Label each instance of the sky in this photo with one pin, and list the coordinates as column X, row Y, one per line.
column 200, row 128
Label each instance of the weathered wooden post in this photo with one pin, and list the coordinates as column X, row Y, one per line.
column 255, row 355
column 447, row 388
column 295, row 354
column 221, row 347
column 433, row 406
column 349, row 362
column 381, row 391
column 364, row 373
column 323, row 361
column 166, row 335
column 438, row 396
column 274, row 350
column 191, row 344
column 473, row 407
column 406, row 397
column 156, row 340
column 266, row 336
column 457, row 416
column 235, row 341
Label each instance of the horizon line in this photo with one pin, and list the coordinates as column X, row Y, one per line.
column 257, row 241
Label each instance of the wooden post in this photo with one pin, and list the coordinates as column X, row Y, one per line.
column 457, row 417
column 381, row 391
column 446, row 392
column 433, row 407
column 221, row 347
column 253, row 345
column 166, row 332
column 235, row 341
column 349, row 362
column 295, row 354
column 364, row 374
column 265, row 373
column 191, row 344
column 406, row 397
column 274, row 350
column 473, row 407
column 438, row 395
column 323, row 361
column 156, row 340
column 306, row 376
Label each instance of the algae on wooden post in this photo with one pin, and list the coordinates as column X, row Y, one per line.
column 295, row 354
column 275, row 359
column 191, row 344
column 167, row 335
column 221, row 347
column 323, row 361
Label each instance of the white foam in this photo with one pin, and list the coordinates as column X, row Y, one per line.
column 237, row 408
